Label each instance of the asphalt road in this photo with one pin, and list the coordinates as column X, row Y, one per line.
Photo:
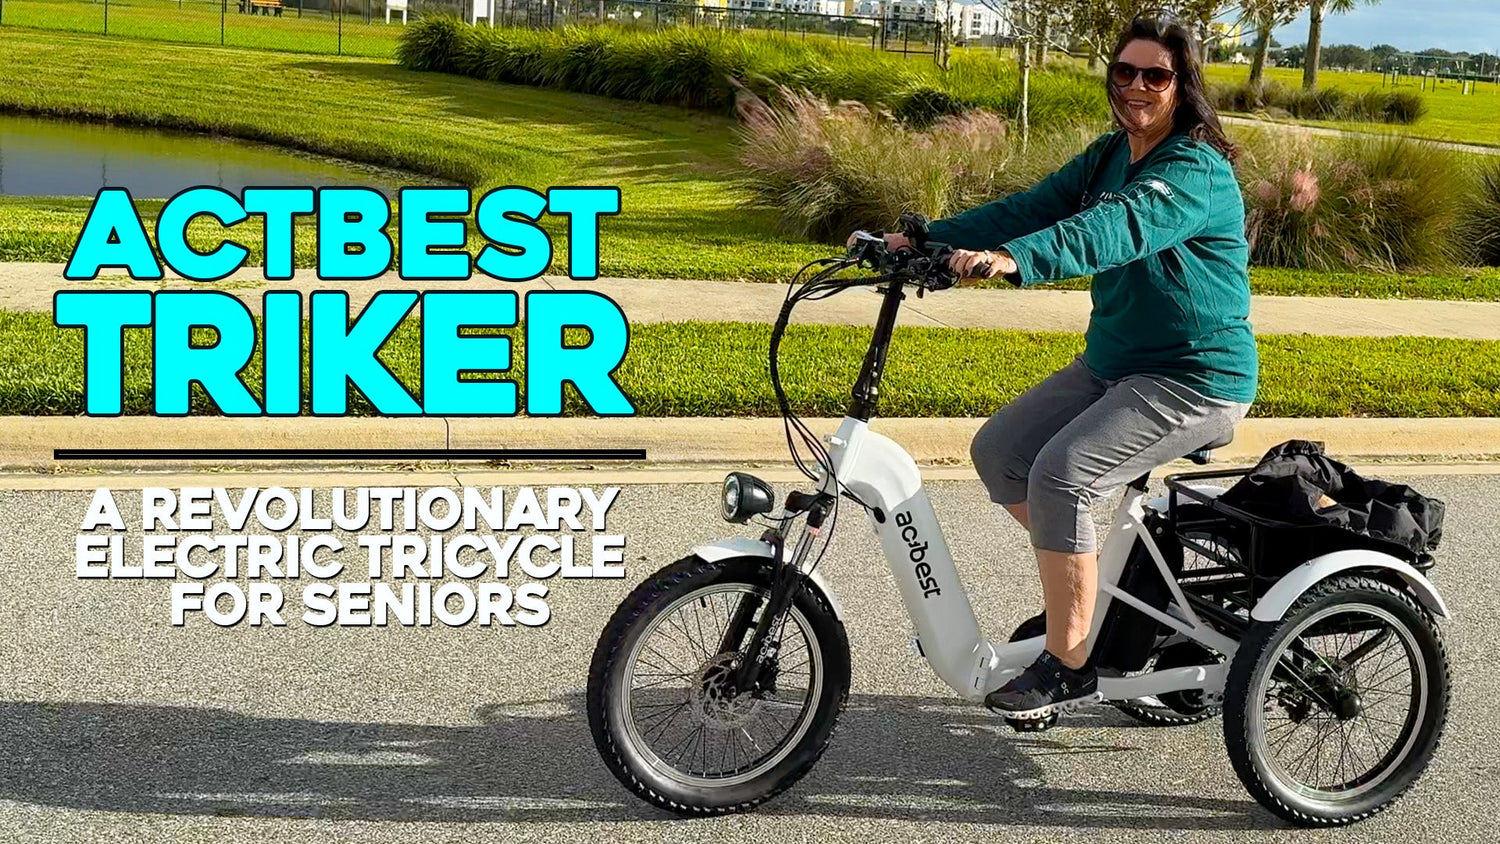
column 114, row 725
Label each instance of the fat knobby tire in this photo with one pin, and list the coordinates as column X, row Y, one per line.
column 654, row 595
column 1254, row 650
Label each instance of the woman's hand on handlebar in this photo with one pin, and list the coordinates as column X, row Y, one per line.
column 975, row 265
column 894, row 241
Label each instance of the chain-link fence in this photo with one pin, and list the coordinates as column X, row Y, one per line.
column 878, row 31
column 345, row 27
column 372, row 27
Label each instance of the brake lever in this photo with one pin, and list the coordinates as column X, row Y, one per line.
column 868, row 249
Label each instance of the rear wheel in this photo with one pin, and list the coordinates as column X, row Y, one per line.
column 1334, row 711
column 663, row 707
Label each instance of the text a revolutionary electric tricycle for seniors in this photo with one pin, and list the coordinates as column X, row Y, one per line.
column 717, row 683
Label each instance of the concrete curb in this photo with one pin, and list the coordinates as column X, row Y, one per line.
column 563, row 476
column 28, row 443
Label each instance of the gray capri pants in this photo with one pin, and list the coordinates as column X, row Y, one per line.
column 1075, row 438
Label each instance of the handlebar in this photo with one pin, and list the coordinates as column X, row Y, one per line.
column 924, row 264
column 924, row 267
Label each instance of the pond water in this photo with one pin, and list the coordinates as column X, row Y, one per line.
column 60, row 158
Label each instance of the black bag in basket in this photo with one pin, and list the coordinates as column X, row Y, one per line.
column 1296, row 482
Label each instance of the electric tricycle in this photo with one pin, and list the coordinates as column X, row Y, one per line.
column 717, row 683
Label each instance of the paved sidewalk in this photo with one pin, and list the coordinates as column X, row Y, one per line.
column 1328, row 132
column 29, row 287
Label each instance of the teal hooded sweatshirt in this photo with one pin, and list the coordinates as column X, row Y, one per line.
column 1164, row 239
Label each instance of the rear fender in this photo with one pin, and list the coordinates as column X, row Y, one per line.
column 744, row 546
column 1279, row 598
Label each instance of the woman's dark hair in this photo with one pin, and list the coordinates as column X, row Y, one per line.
column 1194, row 114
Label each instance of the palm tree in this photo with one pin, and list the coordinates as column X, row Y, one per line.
column 1264, row 16
column 1316, row 10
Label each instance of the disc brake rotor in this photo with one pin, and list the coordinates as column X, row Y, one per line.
column 715, row 699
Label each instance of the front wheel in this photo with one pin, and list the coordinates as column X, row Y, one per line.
column 1332, row 712
column 662, row 703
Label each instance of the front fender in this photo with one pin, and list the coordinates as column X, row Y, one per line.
column 1279, row 598
column 744, row 546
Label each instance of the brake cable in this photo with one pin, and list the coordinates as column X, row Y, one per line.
column 821, row 286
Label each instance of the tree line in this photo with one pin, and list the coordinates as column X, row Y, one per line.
column 1091, row 26
column 1385, row 57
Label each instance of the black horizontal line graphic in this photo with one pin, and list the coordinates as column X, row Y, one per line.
column 348, row 454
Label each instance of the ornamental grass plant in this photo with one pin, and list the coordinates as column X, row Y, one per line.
column 700, row 68
column 1383, row 203
column 1331, row 103
column 1364, row 203
column 1481, row 225
column 831, row 169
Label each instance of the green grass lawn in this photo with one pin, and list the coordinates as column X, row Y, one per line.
column 719, row 369
column 199, row 22
column 682, row 215
column 1451, row 116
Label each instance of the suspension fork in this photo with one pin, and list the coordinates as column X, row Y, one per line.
column 786, row 583
column 764, row 644
column 739, row 624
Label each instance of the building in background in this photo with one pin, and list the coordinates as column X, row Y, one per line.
column 1230, row 34
column 974, row 22
column 810, row 7
column 913, row 10
column 969, row 21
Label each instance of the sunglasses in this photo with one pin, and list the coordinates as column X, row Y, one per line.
column 1123, row 74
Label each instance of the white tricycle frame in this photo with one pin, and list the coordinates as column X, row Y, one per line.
column 886, row 479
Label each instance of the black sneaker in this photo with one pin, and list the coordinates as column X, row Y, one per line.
column 1044, row 688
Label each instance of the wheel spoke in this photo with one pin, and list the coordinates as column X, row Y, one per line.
column 688, row 637
column 1343, row 752
column 666, row 720
column 1354, row 745
column 659, row 683
column 703, row 734
column 1341, row 650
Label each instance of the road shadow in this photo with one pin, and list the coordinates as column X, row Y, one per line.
column 893, row 757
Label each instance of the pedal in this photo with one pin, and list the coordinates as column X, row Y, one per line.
column 1032, row 725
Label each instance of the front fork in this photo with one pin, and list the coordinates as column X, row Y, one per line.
column 786, row 582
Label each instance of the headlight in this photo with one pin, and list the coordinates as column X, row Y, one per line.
column 731, row 497
column 745, row 496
